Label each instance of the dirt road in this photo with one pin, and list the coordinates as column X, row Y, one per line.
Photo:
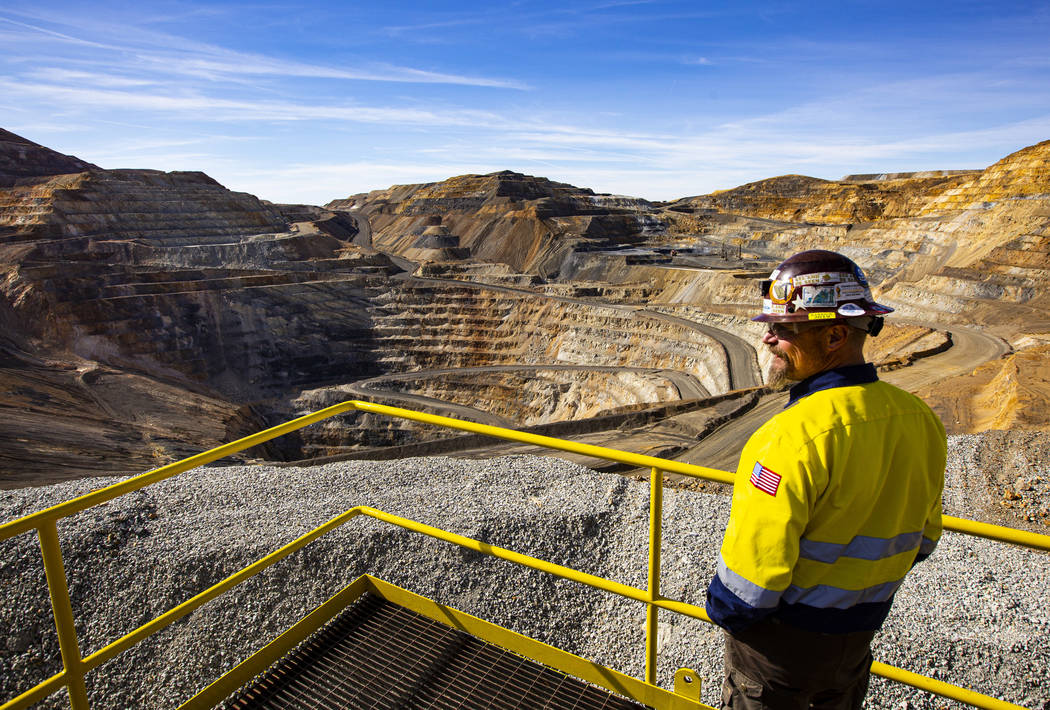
column 740, row 355
column 688, row 387
column 970, row 348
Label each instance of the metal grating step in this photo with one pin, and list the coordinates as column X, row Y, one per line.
column 378, row 655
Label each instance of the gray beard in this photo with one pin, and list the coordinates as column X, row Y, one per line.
column 776, row 373
column 776, row 377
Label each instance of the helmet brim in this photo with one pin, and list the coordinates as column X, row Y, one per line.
column 827, row 314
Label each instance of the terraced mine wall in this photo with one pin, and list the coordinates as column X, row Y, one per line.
column 966, row 247
column 244, row 313
column 261, row 337
column 132, row 204
column 438, row 329
column 169, row 284
column 528, row 223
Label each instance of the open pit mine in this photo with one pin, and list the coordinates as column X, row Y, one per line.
column 148, row 316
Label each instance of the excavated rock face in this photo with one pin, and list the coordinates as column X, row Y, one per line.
column 968, row 245
column 995, row 269
column 22, row 160
column 987, row 262
column 150, row 315
column 1002, row 394
column 146, row 205
column 797, row 198
column 426, row 334
column 525, row 222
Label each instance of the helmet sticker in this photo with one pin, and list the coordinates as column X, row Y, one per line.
column 781, row 291
column 773, row 308
column 851, row 291
column 773, row 276
column 822, row 315
column 818, row 296
column 822, row 277
column 879, row 308
column 860, row 275
column 850, row 310
column 803, row 279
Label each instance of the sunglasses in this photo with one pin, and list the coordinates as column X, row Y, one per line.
column 785, row 331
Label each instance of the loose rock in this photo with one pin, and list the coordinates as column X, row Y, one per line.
column 975, row 614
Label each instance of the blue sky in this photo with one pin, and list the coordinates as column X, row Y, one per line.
column 640, row 97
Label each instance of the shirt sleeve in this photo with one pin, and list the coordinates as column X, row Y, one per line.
column 777, row 482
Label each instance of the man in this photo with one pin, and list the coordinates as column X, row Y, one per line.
column 835, row 499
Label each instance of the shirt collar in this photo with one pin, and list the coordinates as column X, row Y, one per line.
column 839, row 377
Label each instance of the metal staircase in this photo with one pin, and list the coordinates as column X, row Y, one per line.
column 379, row 655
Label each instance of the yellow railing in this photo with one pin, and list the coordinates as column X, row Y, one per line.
column 75, row 667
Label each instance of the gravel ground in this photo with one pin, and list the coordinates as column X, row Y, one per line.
column 976, row 614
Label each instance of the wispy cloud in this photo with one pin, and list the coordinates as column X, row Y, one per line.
column 217, row 109
column 49, row 34
column 561, row 20
column 233, row 65
column 664, row 164
column 161, row 53
column 73, row 76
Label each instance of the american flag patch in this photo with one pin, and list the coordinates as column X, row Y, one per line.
column 764, row 479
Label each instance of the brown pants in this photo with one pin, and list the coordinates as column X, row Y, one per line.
column 774, row 666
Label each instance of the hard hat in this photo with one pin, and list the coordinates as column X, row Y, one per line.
column 818, row 285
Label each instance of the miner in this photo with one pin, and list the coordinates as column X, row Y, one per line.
column 836, row 498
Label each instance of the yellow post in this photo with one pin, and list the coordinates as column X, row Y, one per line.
column 67, row 632
column 656, row 505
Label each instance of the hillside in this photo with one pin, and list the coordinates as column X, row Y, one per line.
column 526, row 222
column 148, row 315
column 797, row 198
column 22, row 160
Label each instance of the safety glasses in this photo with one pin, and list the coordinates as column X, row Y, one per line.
column 787, row 331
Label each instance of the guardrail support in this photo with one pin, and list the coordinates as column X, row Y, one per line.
column 687, row 683
column 656, row 508
column 63, row 611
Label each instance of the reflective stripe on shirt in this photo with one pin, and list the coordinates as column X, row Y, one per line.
column 862, row 547
column 754, row 595
column 828, row 597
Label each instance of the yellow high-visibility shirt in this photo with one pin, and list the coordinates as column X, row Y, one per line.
column 834, row 500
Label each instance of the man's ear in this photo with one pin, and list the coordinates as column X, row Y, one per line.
column 836, row 336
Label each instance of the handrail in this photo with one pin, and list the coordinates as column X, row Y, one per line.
column 75, row 505
column 1001, row 533
column 75, row 668
column 1024, row 538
